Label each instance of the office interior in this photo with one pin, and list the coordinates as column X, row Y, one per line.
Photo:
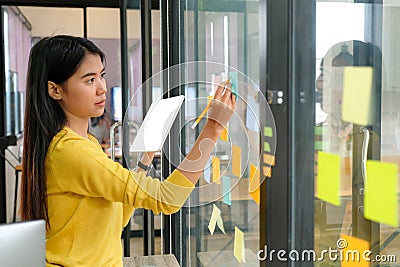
column 293, row 61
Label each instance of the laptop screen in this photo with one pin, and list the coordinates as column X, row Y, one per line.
column 23, row 244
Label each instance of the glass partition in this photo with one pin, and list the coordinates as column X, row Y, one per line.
column 356, row 138
column 224, row 38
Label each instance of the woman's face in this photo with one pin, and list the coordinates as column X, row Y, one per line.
column 84, row 93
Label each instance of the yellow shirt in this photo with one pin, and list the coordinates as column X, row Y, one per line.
column 90, row 199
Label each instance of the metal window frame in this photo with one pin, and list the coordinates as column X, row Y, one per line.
column 287, row 58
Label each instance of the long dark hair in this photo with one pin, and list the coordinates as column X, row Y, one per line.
column 51, row 59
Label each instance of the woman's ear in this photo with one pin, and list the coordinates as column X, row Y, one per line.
column 54, row 90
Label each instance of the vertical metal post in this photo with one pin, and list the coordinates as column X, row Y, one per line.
column 85, row 22
column 125, row 101
column 301, row 130
column 166, row 229
column 172, row 46
column 3, row 198
column 146, row 47
column 287, row 59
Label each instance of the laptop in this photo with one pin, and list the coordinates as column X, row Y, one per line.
column 23, row 244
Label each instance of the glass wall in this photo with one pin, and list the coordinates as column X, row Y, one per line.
column 356, row 137
column 225, row 40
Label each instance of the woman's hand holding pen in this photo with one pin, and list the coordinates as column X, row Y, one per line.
column 219, row 112
column 222, row 107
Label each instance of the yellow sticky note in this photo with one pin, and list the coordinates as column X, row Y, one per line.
column 216, row 166
column 356, row 102
column 355, row 251
column 236, row 161
column 238, row 246
column 269, row 159
column 328, row 179
column 216, row 219
column 224, row 134
column 380, row 198
column 267, row 171
column 254, row 185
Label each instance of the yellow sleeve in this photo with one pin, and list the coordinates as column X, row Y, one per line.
column 127, row 212
column 78, row 166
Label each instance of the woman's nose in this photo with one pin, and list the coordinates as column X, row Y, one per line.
column 102, row 89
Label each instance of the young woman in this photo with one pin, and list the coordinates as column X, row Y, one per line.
column 86, row 198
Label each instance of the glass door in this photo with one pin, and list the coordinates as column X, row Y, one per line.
column 356, row 134
column 214, row 42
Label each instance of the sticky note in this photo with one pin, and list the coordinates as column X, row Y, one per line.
column 267, row 171
column 238, row 246
column 236, row 161
column 269, row 159
column 318, row 145
column 207, row 171
column 233, row 79
column 268, row 131
column 216, row 166
column 226, row 189
column 354, row 251
column 252, row 113
column 328, row 179
column 267, row 147
column 254, row 185
column 216, row 219
column 357, row 88
column 224, row 135
column 380, row 198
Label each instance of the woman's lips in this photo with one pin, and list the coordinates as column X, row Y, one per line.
column 101, row 103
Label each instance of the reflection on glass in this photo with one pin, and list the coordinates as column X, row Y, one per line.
column 355, row 119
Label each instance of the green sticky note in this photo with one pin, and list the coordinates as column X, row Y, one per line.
column 328, row 179
column 267, row 148
column 318, row 130
column 318, row 145
column 357, row 88
column 233, row 79
column 226, row 188
column 380, row 198
column 268, row 131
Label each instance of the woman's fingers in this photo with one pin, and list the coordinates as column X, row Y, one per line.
column 219, row 91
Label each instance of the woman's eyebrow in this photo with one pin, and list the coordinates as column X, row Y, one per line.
column 92, row 73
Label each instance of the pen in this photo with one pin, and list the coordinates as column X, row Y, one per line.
column 207, row 107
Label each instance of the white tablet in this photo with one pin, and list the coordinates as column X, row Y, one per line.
column 157, row 124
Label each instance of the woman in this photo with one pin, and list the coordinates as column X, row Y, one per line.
column 86, row 198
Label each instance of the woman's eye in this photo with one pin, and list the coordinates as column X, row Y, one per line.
column 103, row 74
column 91, row 80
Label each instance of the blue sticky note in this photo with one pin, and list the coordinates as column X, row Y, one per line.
column 233, row 78
column 226, row 188
column 252, row 113
column 207, row 171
